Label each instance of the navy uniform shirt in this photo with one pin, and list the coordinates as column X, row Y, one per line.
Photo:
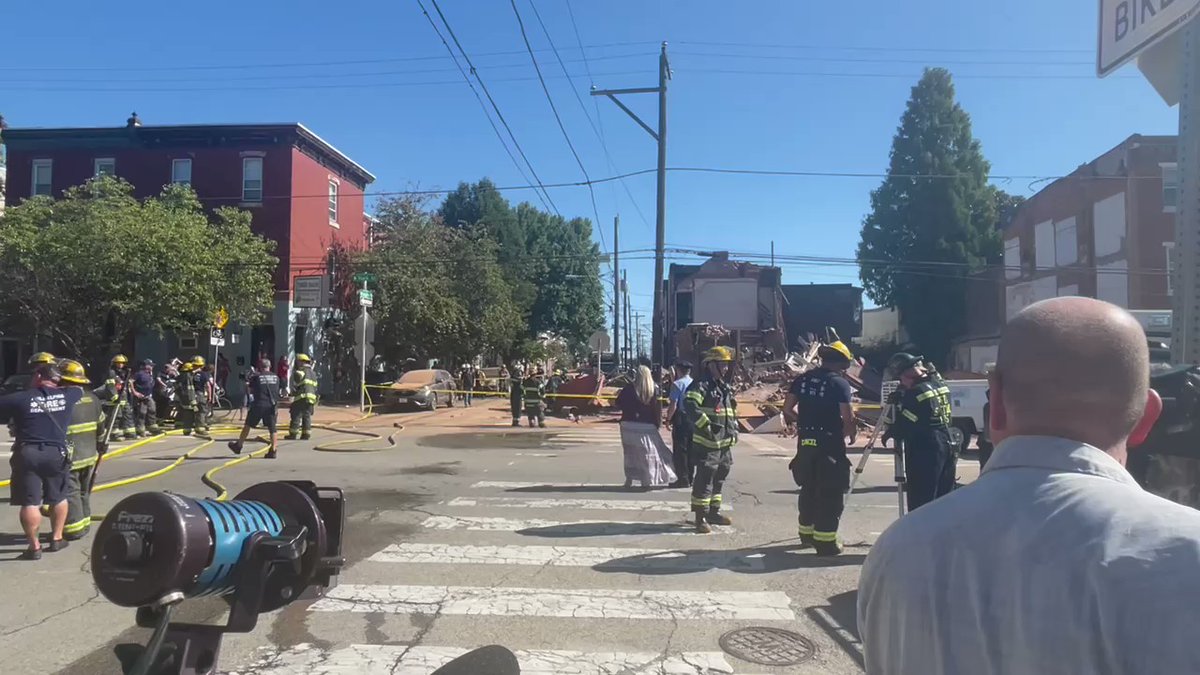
column 40, row 415
column 143, row 382
column 264, row 390
column 820, row 393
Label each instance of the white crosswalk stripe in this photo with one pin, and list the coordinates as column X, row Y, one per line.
column 566, row 556
column 595, row 528
column 596, row 603
column 568, row 503
column 404, row 660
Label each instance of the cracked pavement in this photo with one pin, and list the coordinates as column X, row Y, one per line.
column 608, row 582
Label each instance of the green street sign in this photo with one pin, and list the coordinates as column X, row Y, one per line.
column 364, row 278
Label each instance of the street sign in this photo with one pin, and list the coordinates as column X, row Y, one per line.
column 310, row 292
column 364, row 278
column 599, row 341
column 362, row 341
column 366, row 298
column 216, row 337
column 1128, row 27
column 221, row 318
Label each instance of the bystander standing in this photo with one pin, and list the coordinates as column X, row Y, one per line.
column 263, row 390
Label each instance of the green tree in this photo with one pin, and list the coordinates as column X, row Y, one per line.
column 98, row 264
column 933, row 220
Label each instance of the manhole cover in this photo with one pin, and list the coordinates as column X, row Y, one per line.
column 768, row 646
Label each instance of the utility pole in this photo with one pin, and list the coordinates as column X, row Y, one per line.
column 637, row 324
column 628, row 338
column 1185, row 323
column 616, row 342
column 657, row 336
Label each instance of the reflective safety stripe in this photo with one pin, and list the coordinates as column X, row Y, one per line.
column 695, row 396
column 824, row 536
column 77, row 526
column 807, row 529
column 932, row 392
column 910, row 415
column 311, row 382
column 726, row 413
column 715, row 499
column 80, row 428
column 709, row 443
column 84, row 463
column 700, row 501
column 702, row 422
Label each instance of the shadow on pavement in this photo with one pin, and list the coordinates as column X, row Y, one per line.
column 578, row 488
column 753, row 560
column 839, row 620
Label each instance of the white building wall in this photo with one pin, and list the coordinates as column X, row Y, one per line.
column 1108, row 225
column 1043, row 245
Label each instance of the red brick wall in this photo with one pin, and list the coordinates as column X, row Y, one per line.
column 310, row 228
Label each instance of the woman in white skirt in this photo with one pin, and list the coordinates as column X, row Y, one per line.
column 647, row 457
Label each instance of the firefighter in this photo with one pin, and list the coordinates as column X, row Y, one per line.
column 203, row 382
column 818, row 405
column 304, row 399
column 516, row 393
column 145, row 411
column 712, row 416
column 114, row 399
column 86, row 445
column 534, row 390
column 922, row 423
column 185, row 399
column 40, row 358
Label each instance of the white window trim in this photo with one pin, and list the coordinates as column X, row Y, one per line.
column 176, row 161
column 1169, row 248
column 261, row 171
column 1163, row 168
column 105, row 160
column 33, row 174
column 335, row 188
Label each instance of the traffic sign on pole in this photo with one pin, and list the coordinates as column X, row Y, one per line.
column 366, row 298
column 364, row 278
column 216, row 337
column 1128, row 27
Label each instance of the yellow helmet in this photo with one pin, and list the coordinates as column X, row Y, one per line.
column 120, row 360
column 72, row 371
column 185, row 367
column 303, row 358
column 839, row 348
column 720, row 354
column 198, row 361
column 40, row 358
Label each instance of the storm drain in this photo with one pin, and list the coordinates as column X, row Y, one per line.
column 768, row 646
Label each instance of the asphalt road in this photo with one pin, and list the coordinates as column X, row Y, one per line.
column 468, row 532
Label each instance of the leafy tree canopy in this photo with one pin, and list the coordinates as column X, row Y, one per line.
column 89, row 268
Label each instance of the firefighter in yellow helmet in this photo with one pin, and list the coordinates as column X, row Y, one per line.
column 712, row 416
column 40, row 358
column 185, row 399
column 205, row 394
column 818, row 407
column 304, row 399
column 114, row 398
column 86, row 445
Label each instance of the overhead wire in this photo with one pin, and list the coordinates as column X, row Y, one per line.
column 486, row 114
column 561, row 127
column 491, row 100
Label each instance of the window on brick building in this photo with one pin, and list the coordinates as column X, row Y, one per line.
column 104, row 166
column 1170, row 187
column 42, row 170
column 252, row 179
column 181, row 171
column 333, row 201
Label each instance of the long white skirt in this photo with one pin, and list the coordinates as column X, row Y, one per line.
column 647, row 457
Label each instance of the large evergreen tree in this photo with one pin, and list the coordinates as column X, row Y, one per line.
column 933, row 220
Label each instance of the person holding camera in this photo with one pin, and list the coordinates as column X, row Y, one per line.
column 923, row 424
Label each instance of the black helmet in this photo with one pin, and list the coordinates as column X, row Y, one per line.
column 902, row 361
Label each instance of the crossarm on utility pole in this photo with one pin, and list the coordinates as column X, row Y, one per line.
column 644, row 90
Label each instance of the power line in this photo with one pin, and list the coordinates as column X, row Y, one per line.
column 486, row 114
column 906, row 76
column 881, row 48
column 309, row 64
column 846, row 59
column 491, row 100
column 561, row 126
column 598, row 128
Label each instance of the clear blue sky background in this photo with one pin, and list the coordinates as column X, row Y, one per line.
column 819, row 87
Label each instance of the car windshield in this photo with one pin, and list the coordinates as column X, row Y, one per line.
column 417, row 377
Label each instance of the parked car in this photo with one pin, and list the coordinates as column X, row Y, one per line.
column 15, row 383
column 423, row 389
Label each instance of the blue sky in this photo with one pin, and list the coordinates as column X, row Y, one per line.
column 806, row 86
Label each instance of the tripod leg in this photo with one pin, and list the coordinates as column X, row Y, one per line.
column 900, row 476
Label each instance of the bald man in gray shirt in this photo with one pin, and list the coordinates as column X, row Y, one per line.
column 1054, row 560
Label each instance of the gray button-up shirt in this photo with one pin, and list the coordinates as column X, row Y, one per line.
column 1053, row 561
